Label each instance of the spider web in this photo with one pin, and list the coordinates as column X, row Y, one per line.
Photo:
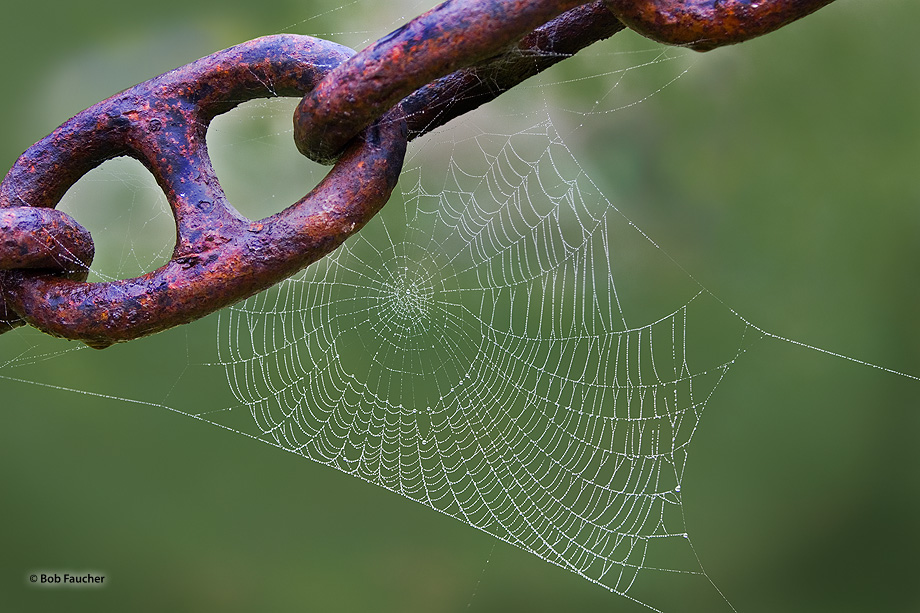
column 469, row 350
column 491, row 346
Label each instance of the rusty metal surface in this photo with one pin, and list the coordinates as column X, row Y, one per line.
column 469, row 88
column 220, row 256
column 441, row 65
column 453, row 35
column 43, row 239
column 707, row 24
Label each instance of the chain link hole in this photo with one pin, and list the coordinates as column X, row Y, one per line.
column 253, row 153
column 128, row 216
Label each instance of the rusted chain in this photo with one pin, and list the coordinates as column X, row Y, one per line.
column 455, row 34
column 467, row 89
column 41, row 239
column 439, row 66
column 45, row 239
column 707, row 24
column 220, row 256
column 463, row 33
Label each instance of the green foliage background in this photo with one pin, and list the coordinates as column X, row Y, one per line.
column 780, row 173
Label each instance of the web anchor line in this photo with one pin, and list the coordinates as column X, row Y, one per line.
column 358, row 111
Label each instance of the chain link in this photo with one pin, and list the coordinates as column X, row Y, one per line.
column 706, row 24
column 358, row 111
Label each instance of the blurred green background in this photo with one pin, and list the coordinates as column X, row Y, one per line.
column 780, row 173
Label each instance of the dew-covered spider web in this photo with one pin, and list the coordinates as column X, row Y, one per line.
column 469, row 350
column 502, row 344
